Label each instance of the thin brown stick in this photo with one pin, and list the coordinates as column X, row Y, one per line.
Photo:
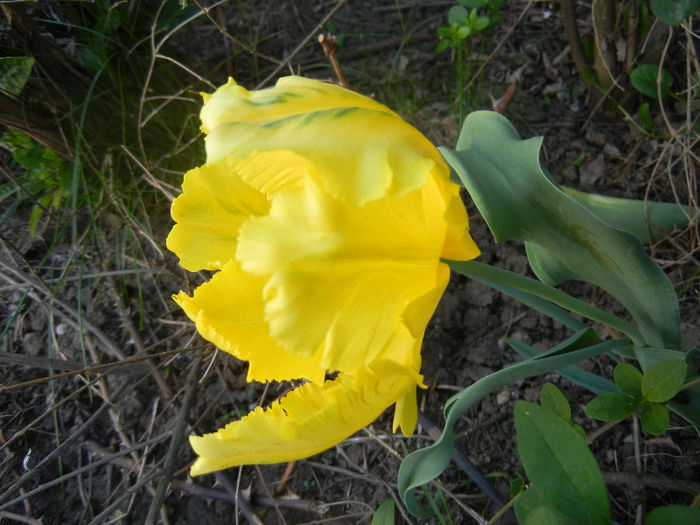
column 649, row 480
column 328, row 43
column 19, row 518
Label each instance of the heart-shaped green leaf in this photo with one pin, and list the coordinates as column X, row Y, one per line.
column 655, row 418
column 672, row 12
column 663, row 380
column 628, row 379
column 611, row 406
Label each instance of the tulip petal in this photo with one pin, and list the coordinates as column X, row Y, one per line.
column 406, row 413
column 214, row 203
column 228, row 311
column 291, row 96
column 383, row 257
column 358, row 154
column 307, row 421
column 352, row 326
column 306, row 225
column 458, row 246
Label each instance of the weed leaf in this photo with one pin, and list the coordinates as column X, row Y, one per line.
column 560, row 466
column 628, row 379
column 644, row 79
column 655, row 418
column 663, row 380
column 553, row 399
column 385, row 514
column 611, row 406
column 672, row 12
column 14, row 73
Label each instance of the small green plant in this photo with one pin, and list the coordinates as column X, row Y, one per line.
column 465, row 20
column 566, row 484
column 645, row 394
column 46, row 181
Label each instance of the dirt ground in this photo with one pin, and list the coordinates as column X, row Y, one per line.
column 102, row 446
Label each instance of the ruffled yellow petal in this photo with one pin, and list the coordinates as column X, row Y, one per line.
column 307, row 421
column 347, row 164
column 214, row 203
column 291, row 96
column 358, row 154
column 380, row 258
column 228, row 311
column 348, row 312
column 458, row 246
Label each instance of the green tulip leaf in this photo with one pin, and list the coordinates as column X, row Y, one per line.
column 588, row 380
column 560, row 466
column 611, row 406
column 628, row 379
column 655, row 418
column 663, row 380
column 519, row 201
column 424, row 465
column 648, row 221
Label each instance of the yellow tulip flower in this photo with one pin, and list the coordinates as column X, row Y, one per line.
column 326, row 216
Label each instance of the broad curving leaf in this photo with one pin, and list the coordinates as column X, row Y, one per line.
column 560, row 466
column 520, row 201
column 648, row 221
